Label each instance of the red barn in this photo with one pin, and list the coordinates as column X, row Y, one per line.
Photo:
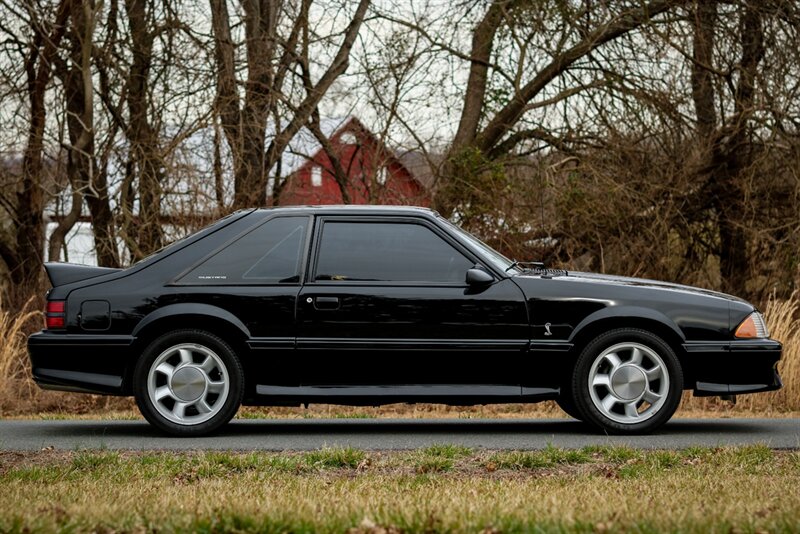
column 374, row 175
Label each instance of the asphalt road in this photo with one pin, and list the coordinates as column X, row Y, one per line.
column 372, row 434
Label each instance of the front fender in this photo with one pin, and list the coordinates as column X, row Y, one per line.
column 635, row 313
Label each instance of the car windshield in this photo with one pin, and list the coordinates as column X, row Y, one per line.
column 487, row 252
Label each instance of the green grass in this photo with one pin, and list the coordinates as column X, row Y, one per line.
column 439, row 458
column 546, row 458
column 333, row 458
column 442, row 488
column 618, row 454
column 446, row 451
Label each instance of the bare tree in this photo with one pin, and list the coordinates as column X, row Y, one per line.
column 650, row 137
column 145, row 150
column 24, row 260
column 485, row 132
column 730, row 148
column 671, row 115
column 88, row 180
column 271, row 59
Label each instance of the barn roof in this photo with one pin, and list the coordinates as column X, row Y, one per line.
column 422, row 166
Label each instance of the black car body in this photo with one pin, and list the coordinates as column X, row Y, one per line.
column 373, row 305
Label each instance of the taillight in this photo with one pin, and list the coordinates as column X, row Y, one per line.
column 54, row 314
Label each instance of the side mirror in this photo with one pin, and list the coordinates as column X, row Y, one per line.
column 479, row 277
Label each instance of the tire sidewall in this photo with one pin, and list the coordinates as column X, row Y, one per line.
column 580, row 386
column 199, row 337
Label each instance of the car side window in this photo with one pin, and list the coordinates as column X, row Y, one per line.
column 269, row 254
column 392, row 252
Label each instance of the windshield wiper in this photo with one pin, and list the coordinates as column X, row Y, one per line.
column 522, row 265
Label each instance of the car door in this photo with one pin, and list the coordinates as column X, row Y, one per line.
column 386, row 304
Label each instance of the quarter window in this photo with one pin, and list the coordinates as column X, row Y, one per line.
column 395, row 252
column 269, row 254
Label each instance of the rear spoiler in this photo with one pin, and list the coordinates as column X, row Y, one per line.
column 65, row 273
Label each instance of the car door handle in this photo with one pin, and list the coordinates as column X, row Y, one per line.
column 326, row 303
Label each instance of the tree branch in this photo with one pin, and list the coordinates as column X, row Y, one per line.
column 337, row 67
column 511, row 112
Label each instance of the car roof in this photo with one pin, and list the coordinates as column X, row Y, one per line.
column 354, row 209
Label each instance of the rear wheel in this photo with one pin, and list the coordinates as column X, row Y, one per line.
column 188, row 383
column 627, row 381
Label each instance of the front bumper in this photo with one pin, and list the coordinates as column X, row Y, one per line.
column 75, row 362
column 733, row 367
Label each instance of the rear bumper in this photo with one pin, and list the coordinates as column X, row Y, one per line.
column 86, row 363
column 734, row 367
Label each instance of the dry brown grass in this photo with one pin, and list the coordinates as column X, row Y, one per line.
column 15, row 372
column 443, row 488
column 20, row 397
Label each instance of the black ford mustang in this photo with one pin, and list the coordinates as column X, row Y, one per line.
column 375, row 305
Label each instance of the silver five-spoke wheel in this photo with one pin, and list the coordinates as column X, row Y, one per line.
column 628, row 382
column 188, row 384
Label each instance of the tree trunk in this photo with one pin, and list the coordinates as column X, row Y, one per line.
column 59, row 234
column 729, row 148
column 261, row 21
column 82, row 161
column 145, row 150
column 219, row 185
column 245, row 123
column 738, row 149
column 481, row 54
column 510, row 114
column 26, row 263
column 705, row 16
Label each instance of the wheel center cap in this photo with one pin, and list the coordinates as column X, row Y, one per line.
column 188, row 383
column 628, row 382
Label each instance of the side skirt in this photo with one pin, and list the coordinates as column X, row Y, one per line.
column 375, row 395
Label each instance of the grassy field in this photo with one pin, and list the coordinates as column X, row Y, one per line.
column 439, row 489
column 19, row 396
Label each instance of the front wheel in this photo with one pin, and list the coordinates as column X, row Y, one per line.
column 627, row 381
column 188, row 383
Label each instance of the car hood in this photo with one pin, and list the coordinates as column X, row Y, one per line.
column 638, row 282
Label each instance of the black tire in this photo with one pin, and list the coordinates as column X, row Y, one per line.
column 202, row 347
column 567, row 404
column 651, row 349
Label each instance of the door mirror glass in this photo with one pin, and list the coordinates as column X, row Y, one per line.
column 478, row 277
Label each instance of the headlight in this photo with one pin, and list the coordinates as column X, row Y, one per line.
column 753, row 327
